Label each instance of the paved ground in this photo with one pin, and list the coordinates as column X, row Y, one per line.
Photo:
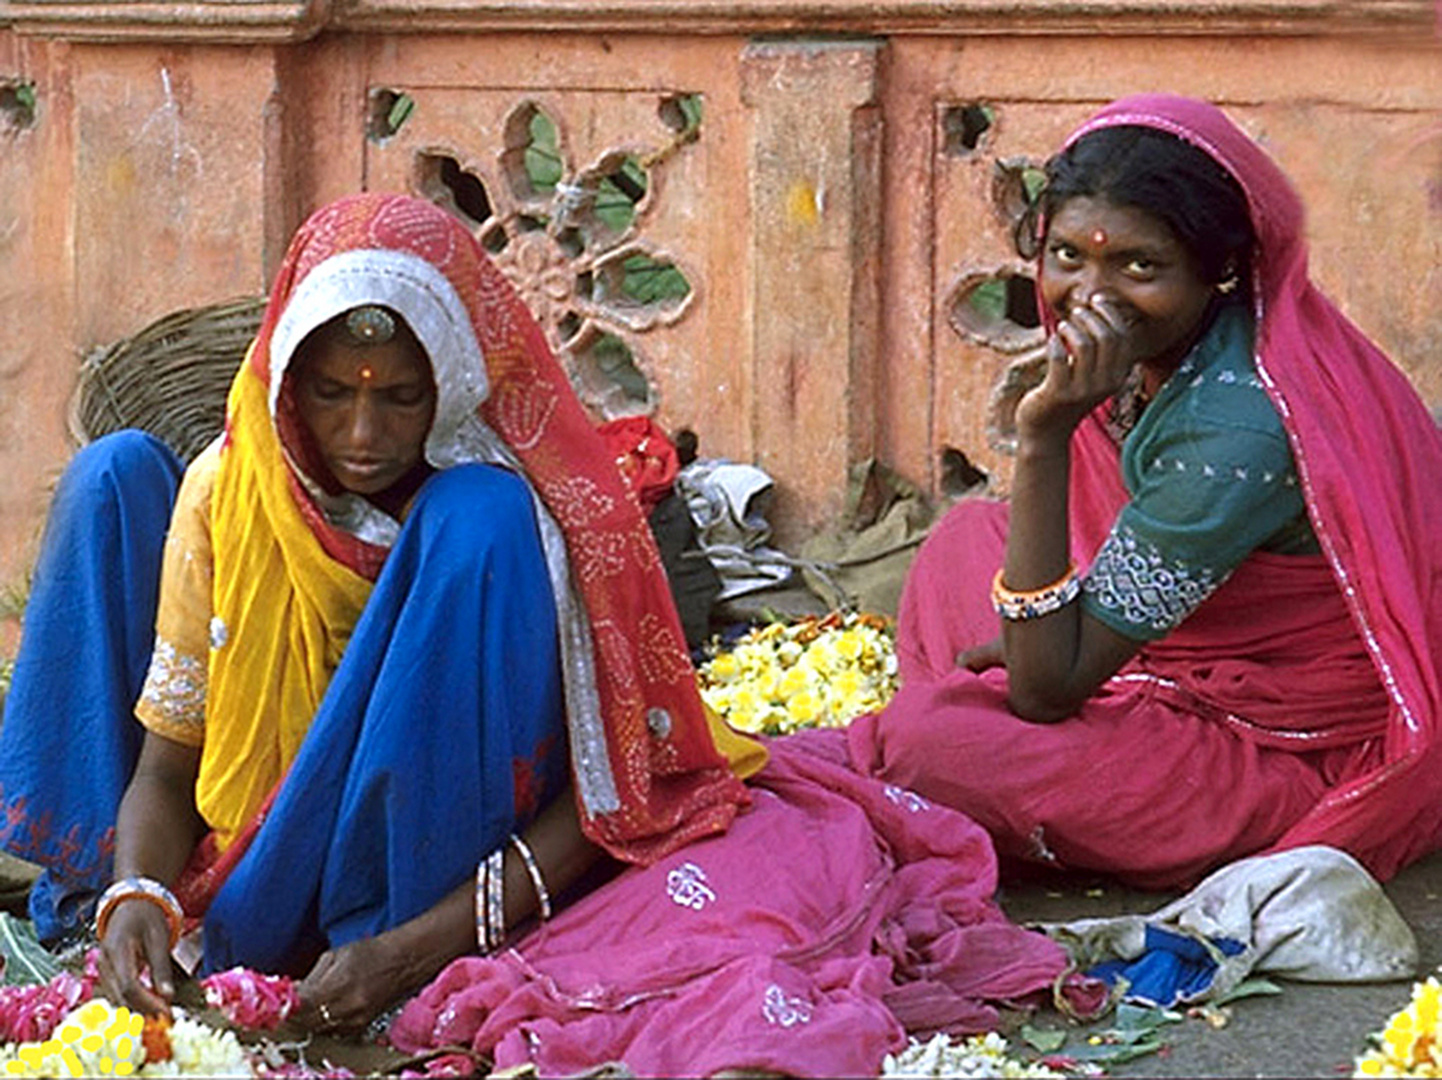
column 1307, row 1030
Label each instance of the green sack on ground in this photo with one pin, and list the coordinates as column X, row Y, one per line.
column 862, row 562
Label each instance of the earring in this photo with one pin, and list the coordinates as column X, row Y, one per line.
column 1228, row 285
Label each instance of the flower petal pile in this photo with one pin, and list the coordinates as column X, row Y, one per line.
column 1411, row 1043
column 817, row 672
column 979, row 1055
column 247, row 999
column 101, row 1039
column 32, row 1013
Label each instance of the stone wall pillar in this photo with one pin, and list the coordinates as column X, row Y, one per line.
column 815, row 176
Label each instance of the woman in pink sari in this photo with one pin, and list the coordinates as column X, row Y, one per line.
column 1217, row 579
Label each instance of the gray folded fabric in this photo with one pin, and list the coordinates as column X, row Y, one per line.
column 1313, row 914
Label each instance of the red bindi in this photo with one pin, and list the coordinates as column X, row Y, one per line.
column 367, row 373
column 1099, row 237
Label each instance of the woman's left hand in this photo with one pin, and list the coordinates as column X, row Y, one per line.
column 350, row 986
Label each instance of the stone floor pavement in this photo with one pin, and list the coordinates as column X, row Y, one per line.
column 1309, row 1030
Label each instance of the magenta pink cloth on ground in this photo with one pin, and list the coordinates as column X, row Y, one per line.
column 1299, row 705
column 834, row 915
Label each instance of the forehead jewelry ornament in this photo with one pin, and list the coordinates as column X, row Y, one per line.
column 1099, row 237
column 370, row 325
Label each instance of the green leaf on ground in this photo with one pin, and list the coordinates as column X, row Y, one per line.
column 1144, row 1018
column 1041, row 1040
column 1116, row 1053
column 1249, row 988
column 27, row 963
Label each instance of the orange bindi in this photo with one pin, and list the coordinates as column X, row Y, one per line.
column 367, row 373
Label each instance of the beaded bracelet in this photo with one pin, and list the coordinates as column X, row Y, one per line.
column 543, row 895
column 1019, row 605
column 140, row 888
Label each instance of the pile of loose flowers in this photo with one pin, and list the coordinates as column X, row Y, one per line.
column 1411, row 1042
column 58, row 1028
column 977, row 1055
column 817, row 672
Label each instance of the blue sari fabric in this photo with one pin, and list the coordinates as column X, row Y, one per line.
column 69, row 741
column 441, row 732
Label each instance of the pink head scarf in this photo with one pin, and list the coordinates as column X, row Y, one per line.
column 1370, row 459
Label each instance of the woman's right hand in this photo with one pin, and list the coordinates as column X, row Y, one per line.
column 1088, row 360
column 137, row 940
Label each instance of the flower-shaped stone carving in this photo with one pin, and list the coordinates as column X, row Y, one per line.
column 572, row 242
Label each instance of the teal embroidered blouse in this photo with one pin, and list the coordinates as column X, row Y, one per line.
column 1211, row 479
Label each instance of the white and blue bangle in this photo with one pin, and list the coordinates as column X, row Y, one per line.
column 491, row 901
column 1017, row 605
column 140, row 888
column 543, row 895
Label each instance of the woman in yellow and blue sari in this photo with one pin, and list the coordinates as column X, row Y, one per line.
column 405, row 602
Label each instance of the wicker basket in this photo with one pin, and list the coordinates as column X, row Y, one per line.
column 170, row 379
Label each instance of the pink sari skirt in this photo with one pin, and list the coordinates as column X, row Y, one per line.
column 1145, row 783
column 837, row 914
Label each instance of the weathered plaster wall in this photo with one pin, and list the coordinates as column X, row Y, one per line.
column 824, row 217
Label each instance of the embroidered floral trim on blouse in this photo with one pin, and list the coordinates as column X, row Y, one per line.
column 1131, row 577
column 175, row 687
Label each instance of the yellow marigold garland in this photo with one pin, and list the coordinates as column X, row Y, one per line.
column 817, row 672
column 1411, row 1043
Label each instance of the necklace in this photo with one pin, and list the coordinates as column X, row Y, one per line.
column 1126, row 406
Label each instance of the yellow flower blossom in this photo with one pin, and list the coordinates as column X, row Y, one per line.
column 814, row 672
column 1411, row 1043
column 803, row 708
column 725, row 668
column 796, row 680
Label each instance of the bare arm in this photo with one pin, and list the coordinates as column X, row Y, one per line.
column 357, row 981
column 1056, row 662
column 155, row 832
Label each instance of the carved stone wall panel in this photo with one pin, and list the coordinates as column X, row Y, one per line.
column 834, row 218
column 570, row 248
column 973, row 243
column 1365, row 153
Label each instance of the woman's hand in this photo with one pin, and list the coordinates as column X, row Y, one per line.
column 983, row 657
column 348, row 987
column 137, row 939
column 1088, row 360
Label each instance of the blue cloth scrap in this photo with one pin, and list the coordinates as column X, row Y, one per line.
column 1173, row 968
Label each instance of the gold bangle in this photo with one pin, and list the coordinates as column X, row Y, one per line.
column 1018, row 605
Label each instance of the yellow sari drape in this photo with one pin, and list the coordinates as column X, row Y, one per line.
column 286, row 610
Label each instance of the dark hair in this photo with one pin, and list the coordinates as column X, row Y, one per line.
column 1160, row 174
